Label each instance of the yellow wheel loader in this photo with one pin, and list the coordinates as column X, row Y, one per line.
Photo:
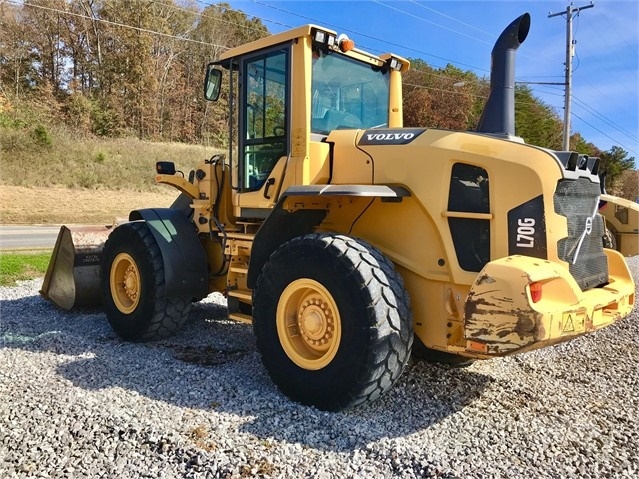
column 622, row 224
column 349, row 241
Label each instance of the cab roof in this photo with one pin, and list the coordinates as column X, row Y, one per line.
column 271, row 40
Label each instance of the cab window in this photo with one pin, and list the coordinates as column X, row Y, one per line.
column 265, row 100
column 347, row 93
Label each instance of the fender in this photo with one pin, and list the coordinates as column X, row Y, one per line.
column 282, row 225
column 185, row 265
column 279, row 227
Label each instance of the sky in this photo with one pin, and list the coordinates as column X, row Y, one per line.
column 605, row 80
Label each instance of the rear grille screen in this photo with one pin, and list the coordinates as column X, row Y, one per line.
column 469, row 193
column 582, row 249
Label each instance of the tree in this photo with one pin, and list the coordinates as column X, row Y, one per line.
column 628, row 185
column 536, row 122
column 219, row 29
column 433, row 98
column 579, row 144
column 46, row 32
column 613, row 163
column 17, row 72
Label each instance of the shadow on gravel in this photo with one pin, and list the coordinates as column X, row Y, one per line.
column 212, row 365
column 425, row 395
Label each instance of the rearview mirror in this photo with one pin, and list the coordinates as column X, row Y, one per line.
column 212, row 83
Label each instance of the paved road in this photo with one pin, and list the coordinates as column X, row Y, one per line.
column 34, row 236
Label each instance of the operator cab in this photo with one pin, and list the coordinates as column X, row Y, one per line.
column 288, row 92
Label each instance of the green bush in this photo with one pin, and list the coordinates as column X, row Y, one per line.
column 88, row 179
column 13, row 141
column 7, row 121
column 42, row 137
column 78, row 110
column 104, row 122
column 100, row 156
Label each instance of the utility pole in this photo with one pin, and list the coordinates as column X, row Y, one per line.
column 570, row 13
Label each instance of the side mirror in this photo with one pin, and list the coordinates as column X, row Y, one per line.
column 165, row 168
column 212, row 83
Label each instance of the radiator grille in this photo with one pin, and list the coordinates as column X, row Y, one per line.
column 578, row 201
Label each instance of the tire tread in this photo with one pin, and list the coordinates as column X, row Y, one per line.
column 391, row 335
column 169, row 312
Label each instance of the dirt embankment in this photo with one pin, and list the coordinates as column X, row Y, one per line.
column 22, row 206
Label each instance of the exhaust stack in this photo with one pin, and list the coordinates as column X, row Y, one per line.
column 498, row 116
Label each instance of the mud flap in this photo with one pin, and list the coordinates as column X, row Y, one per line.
column 73, row 275
column 185, row 264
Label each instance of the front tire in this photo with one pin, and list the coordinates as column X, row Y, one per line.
column 332, row 321
column 133, row 286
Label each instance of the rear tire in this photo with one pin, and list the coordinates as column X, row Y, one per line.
column 332, row 321
column 133, row 286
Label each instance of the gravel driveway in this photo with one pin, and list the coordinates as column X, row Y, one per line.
column 75, row 401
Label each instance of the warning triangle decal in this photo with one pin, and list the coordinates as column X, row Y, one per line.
column 569, row 326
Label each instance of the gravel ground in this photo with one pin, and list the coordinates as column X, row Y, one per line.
column 75, row 401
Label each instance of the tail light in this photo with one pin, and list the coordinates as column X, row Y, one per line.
column 535, row 292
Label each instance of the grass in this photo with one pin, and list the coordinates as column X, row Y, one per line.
column 64, row 159
column 53, row 157
column 95, row 177
column 22, row 266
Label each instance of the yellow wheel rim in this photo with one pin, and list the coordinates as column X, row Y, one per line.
column 125, row 283
column 308, row 324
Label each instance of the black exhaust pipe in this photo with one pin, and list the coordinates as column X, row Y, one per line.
column 498, row 116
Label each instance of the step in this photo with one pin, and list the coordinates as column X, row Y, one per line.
column 239, row 269
column 244, row 294
column 240, row 236
column 249, row 226
column 244, row 318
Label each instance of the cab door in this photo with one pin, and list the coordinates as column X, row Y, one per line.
column 263, row 140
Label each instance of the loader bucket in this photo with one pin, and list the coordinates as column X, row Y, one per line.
column 73, row 276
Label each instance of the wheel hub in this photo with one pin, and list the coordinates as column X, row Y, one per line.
column 308, row 324
column 130, row 282
column 314, row 321
column 125, row 283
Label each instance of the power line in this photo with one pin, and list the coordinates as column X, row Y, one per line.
column 492, row 35
column 201, row 14
column 275, row 22
column 620, row 107
column 377, row 39
column 431, row 22
column 386, row 42
column 604, row 134
column 221, row 46
column 595, row 113
column 542, row 76
column 616, row 30
column 337, row 27
column 140, row 29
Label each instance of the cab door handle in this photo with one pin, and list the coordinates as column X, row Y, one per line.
column 270, row 182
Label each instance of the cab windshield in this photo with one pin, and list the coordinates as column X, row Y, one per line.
column 347, row 93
